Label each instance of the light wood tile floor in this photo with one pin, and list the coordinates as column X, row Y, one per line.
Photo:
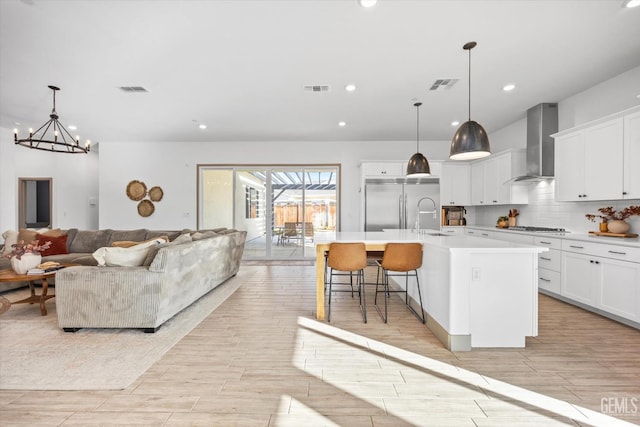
column 261, row 359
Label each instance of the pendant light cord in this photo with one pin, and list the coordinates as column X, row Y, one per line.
column 417, row 105
column 470, row 84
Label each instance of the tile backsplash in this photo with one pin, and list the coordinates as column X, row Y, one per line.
column 544, row 211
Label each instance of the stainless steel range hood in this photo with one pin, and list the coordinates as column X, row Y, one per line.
column 542, row 122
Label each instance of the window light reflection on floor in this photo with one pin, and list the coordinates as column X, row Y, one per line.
column 363, row 351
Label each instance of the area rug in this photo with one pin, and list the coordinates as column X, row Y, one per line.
column 35, row 354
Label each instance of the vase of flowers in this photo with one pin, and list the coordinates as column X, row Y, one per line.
column 615, row 220
column 25, row 256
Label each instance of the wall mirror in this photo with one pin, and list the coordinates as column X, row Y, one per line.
column 35, row 202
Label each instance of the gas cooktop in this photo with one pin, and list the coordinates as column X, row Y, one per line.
column 537, row 229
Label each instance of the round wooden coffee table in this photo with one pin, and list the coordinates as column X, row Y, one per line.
column 8, row 275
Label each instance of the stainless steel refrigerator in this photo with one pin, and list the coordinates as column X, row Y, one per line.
column 393, row 203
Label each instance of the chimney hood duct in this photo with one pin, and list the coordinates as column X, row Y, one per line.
column 542, row 122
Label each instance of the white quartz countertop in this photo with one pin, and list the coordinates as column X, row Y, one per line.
column 433, row 238
column 585, row 237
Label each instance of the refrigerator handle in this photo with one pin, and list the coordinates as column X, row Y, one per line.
column 400, row 216
column 406, row 217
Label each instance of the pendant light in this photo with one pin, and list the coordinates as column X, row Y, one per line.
column 470, row 140
column 418, row 164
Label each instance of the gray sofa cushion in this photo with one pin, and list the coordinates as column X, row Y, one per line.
column 127, row 236
column 88, row 241
column 183, row 238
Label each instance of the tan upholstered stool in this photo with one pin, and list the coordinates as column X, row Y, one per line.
column 345, row 259
column 405, row 259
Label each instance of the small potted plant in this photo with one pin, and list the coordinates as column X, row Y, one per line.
column 503, row 222
column 25, row 256
column 615, row 220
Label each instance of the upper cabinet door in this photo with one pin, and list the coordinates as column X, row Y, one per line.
column 477, row 183
column 569, row 167
column 490, row 181
column 631, row 152
column 455, row 184
column 383, row 169
column 603, row 161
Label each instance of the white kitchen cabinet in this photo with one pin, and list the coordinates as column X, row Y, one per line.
column 631, row 150
column 477, row 183
column 549, row 264
column 383, row 169
column 579, row 275
column 453, row 231
column 588, row 162
column 605, row 277
column 491, row 179
column 618, row 290
column 455, row 184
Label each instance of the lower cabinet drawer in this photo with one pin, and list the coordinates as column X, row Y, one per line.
column 549, row 260
column 549, row 280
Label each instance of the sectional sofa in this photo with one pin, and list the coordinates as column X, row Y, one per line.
column 171, row 277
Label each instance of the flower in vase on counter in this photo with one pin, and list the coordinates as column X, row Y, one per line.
column 610, row 214
column 22, row 248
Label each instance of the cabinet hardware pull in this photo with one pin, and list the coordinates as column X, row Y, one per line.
column 577, row 247
column 597, row 262
column 546, row 259
column 543, row 279
column 624, row 193
column 470, row 232
column 546, row 243
column 617, row 253
column 484, row 234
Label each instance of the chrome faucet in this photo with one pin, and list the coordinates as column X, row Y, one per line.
column 418, row 212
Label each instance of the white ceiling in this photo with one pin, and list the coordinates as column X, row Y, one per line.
column 240, row 66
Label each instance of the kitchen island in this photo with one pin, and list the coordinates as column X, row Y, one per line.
column 476, row 292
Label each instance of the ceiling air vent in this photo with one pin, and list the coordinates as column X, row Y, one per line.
column 316, row 88
column 136, row 89
column 443, row 84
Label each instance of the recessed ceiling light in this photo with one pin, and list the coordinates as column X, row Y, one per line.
column 368, row 3
column 350, row 87
column 631, row 3
column 72, row 127
column 342, row 124
column 455, row 123
column 202, row 126
column 509, row 87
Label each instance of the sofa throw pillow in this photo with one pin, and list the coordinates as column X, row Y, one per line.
column 28, row 235
column 10, row 238
column 132, row 256
column 58, row 244
column 129, row 243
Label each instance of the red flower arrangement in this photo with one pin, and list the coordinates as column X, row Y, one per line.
column 21, row 248
column 610, row 214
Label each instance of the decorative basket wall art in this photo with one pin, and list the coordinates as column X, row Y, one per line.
column 155, row 194
column 137, row 191
column 146, row 208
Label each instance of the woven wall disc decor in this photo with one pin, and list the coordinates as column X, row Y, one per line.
column 145, row 208
column 136, row 190
column 156, row 194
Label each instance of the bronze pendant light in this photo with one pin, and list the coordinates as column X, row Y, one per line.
column 418, row 164
column 470, row 140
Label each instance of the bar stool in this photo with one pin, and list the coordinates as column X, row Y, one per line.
column 344, row 259
column 404, row 258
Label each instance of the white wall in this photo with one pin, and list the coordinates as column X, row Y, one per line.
column 75, row 181
column 173, row 166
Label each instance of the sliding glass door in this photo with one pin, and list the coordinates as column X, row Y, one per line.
column 282, row 208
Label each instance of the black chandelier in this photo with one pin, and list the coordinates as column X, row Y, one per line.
column 59, row 139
